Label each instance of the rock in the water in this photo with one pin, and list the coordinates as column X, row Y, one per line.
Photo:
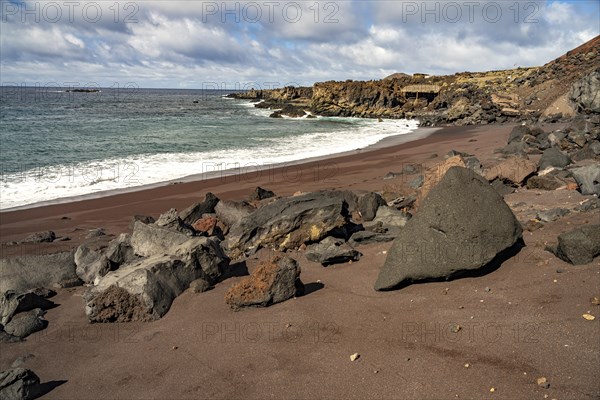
column 331, row 251
column 462, row 225
column 260, row 194
column 434, row 174
column 588, row 179
column 91, row 264
column 272, row 282
column 26, row 323
column 544, row 182
column 584, row 93
column 289, row 222
column 579, row 246
column 150, row 239
column 12, row 303
column 19, row 384
column 514, row 170
column 553, row 157
column 40, row 237
column 231, row 212
column 368, row 204
column 28, row 272
column 144, row 290
column 196, row 210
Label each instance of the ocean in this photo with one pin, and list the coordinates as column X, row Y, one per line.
column 56, row 144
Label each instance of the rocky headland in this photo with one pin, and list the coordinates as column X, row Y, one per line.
column 553, row 92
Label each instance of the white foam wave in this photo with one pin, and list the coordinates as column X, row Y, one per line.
column 51, row 183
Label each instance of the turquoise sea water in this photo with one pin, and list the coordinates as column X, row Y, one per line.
column 56, row 144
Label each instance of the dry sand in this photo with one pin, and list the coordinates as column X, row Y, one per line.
column 518, row 323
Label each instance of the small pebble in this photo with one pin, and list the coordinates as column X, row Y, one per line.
column 487, row 289
column 354, row 357
column 467, row 365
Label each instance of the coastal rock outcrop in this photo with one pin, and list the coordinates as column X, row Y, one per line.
column 145, row 289
column 272, row 282
column 463, row 224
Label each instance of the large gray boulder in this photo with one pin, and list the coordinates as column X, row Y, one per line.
column 151, row 239
column 289, row 222
column 579, row 246
column 331, row 251
column 119, row 250
column 588, row 179
column 171, row 220
column 144, row 290
column 28, row 272
column 272, row 282
column 462, row 225
column 585, row 93
column 19, row 384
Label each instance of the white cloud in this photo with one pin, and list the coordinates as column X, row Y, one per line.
column 185, row 43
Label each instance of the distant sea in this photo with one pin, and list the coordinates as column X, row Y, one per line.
column 56, row 144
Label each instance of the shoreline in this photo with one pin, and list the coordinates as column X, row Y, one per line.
column 114, row 212
column 389, row 141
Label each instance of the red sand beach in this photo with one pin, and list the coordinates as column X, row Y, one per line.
column 516, row 324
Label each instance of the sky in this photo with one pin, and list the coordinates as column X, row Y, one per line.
column 273, row 43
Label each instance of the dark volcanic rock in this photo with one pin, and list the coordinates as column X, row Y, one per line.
column 289, row 222
column 579, row 246
column 331, row 251
column 26, row 323
column 171, row 220
column 196, row 210
column 367, row 237
column 150, row 239
column 368, row 204
column 261, row 194
column 584, row 93
column 518, row 132
column 462, row 225
column 119, row 250
column 502, row 188
column 272, row 282
column 40, row 237
column 544, row 182
column 553, row 157
column 91, row 264
column 552, row 214
column 142, row 218
column 231, row 212
column 588, row 179
column 144, row 290
column 28, row 272
column 19, row 384
column 12, row 303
